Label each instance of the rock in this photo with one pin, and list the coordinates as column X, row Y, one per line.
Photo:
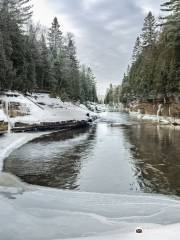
column 139, row 230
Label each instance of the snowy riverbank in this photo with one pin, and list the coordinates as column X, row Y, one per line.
column 156, row 119
column 35, row 109
column 41, row 107
column 12, row 141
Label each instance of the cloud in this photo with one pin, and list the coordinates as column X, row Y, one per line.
column 89, row 4
column 105, row 31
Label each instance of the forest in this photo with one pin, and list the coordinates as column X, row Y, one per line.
column 33, row 58
column 155, row 67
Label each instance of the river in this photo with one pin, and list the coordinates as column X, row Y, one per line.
column 132, row 157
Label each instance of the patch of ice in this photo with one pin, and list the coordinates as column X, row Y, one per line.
column 49, row 214
column 12, row 141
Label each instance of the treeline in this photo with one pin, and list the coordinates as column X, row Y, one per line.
column 113, row 95
column 32, row 58
column 155, row 68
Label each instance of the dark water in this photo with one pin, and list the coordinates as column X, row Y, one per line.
column 132, row 157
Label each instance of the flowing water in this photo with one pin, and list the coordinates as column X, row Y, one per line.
column 129, row 157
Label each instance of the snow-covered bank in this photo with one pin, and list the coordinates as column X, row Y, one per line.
column 49, row 214
column 38, row 108
column 157, row 119
column 35, row 109
column 12, row 141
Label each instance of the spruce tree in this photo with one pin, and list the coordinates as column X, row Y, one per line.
column 149, row 31
column 137, row 50
column 55, row 38
column 73, row 64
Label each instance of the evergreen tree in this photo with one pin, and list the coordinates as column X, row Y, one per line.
column 137, row 50
column 18, row 10
column 27, row 63
column 74, row 76
column 55, row 38
column 2, row 64
column 44, row 70
column 149, row 31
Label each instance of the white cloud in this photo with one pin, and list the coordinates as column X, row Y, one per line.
column 116, row 24
column 88, row 4
column 150, row 5
column 44, row 13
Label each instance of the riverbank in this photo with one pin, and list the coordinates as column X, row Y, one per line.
column 163, row 113
column 156, row 119
column 12, row 141
column 38, row 108
column 34, row 115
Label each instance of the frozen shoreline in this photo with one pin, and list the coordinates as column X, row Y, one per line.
column 154, row 118
column 52, row 110
column 12, row 141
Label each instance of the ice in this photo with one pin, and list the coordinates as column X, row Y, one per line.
column 12, row 141
column 38, row 213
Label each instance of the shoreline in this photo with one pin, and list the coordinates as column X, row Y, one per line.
column 13, row 141
column 28, row 120
column 161, row 120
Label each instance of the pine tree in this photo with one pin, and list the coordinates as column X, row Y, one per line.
column 137, row 50
column 44, row 70
column 149, row 31
column 18, row 10
column 2, row 64
column 73, row 64
column 55, row 38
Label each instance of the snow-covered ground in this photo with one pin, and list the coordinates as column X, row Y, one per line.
column 34, row 213
column 43, row 108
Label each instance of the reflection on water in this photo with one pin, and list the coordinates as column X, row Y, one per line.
column 132, row 157
column 156, row 158
column 53, row 160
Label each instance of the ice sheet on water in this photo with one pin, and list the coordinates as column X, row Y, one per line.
column 12, row 141
column 50, row 214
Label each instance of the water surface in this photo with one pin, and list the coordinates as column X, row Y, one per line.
column 131, row 157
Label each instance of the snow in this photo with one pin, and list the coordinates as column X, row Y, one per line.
column 52, row 110
column 12, row 141
column 36, row 213
column 3, row 117
column 154, row 118
column 43, row 108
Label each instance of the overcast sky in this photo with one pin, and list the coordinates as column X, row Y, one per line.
column 105, row 31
